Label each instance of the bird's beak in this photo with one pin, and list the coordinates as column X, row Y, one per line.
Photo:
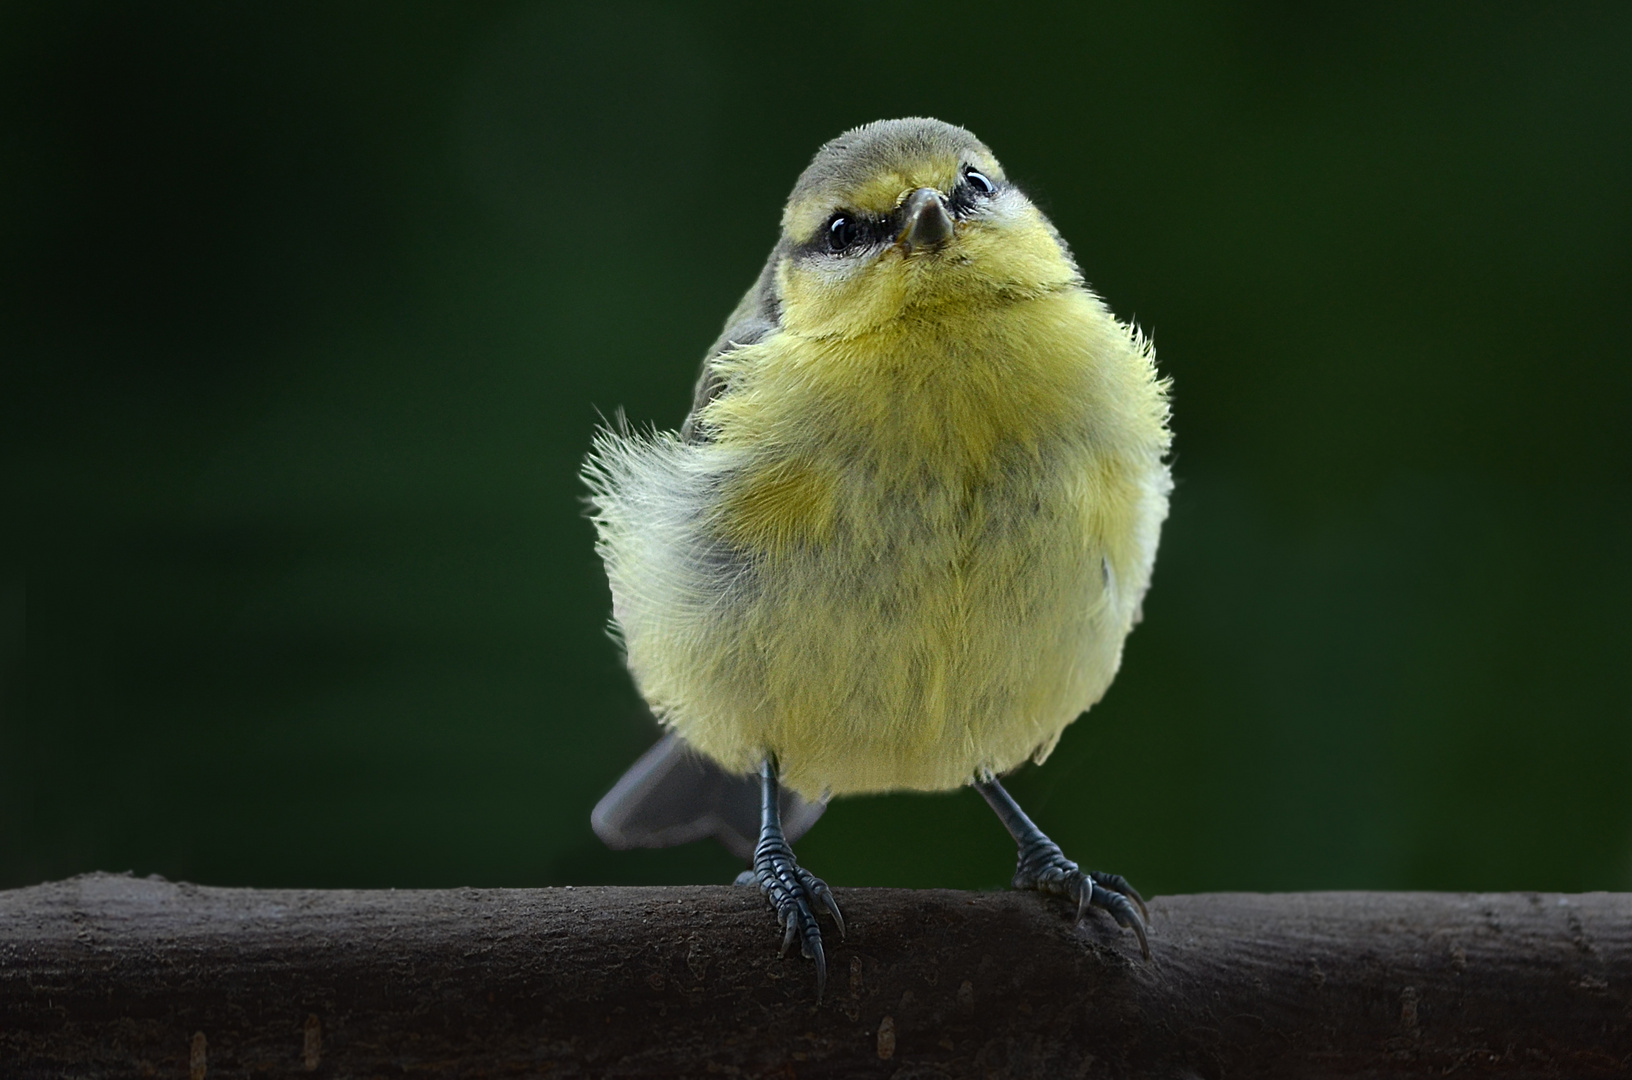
column 928, row 225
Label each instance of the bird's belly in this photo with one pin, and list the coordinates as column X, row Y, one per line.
column 931, row 633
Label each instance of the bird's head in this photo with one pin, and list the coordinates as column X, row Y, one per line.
column 900, row 218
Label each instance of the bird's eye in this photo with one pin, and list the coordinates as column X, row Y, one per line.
column 979, row 182
column 842, row 233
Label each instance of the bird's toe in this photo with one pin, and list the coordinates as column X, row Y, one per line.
column 794, row 893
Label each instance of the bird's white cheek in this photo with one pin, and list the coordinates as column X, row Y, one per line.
column 834, row 273
column 839, row 296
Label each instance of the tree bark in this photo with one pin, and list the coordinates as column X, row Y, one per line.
column 105, row 975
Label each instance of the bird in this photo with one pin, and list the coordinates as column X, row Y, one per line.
column 903, row 532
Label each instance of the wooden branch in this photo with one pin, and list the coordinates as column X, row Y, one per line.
column 114, row 976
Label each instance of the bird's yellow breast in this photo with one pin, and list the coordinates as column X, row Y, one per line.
column 905, row 556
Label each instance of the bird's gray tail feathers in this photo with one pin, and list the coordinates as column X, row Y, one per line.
column 674, row 795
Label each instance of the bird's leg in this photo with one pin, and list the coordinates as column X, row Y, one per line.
column 794, row 892
column 1044, row 867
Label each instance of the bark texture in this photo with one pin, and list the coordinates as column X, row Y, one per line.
column 105, row 975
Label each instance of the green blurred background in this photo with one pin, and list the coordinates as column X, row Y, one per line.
column 309, row 310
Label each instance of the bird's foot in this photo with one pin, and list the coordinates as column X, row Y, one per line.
column 795, row 894
column 1044, row 867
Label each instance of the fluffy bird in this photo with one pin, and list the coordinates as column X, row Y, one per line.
column 902, row 535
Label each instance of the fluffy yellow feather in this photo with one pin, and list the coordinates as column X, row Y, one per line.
column 913, row 517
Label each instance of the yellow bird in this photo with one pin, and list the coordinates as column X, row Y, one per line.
column 905, row 529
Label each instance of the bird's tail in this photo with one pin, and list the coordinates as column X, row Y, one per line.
column 673, row 795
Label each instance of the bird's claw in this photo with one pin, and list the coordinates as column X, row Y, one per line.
column 1116, row 883
column 1044, row 867
column 824, row 896
column 794, row 893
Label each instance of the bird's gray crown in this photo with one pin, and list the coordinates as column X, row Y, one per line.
column 863, row 152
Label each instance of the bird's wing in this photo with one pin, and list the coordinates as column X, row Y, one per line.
column 673, row 795
column 758, row 315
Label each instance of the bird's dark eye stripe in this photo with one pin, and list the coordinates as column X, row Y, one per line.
column 974, row 187
column 847, row 232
